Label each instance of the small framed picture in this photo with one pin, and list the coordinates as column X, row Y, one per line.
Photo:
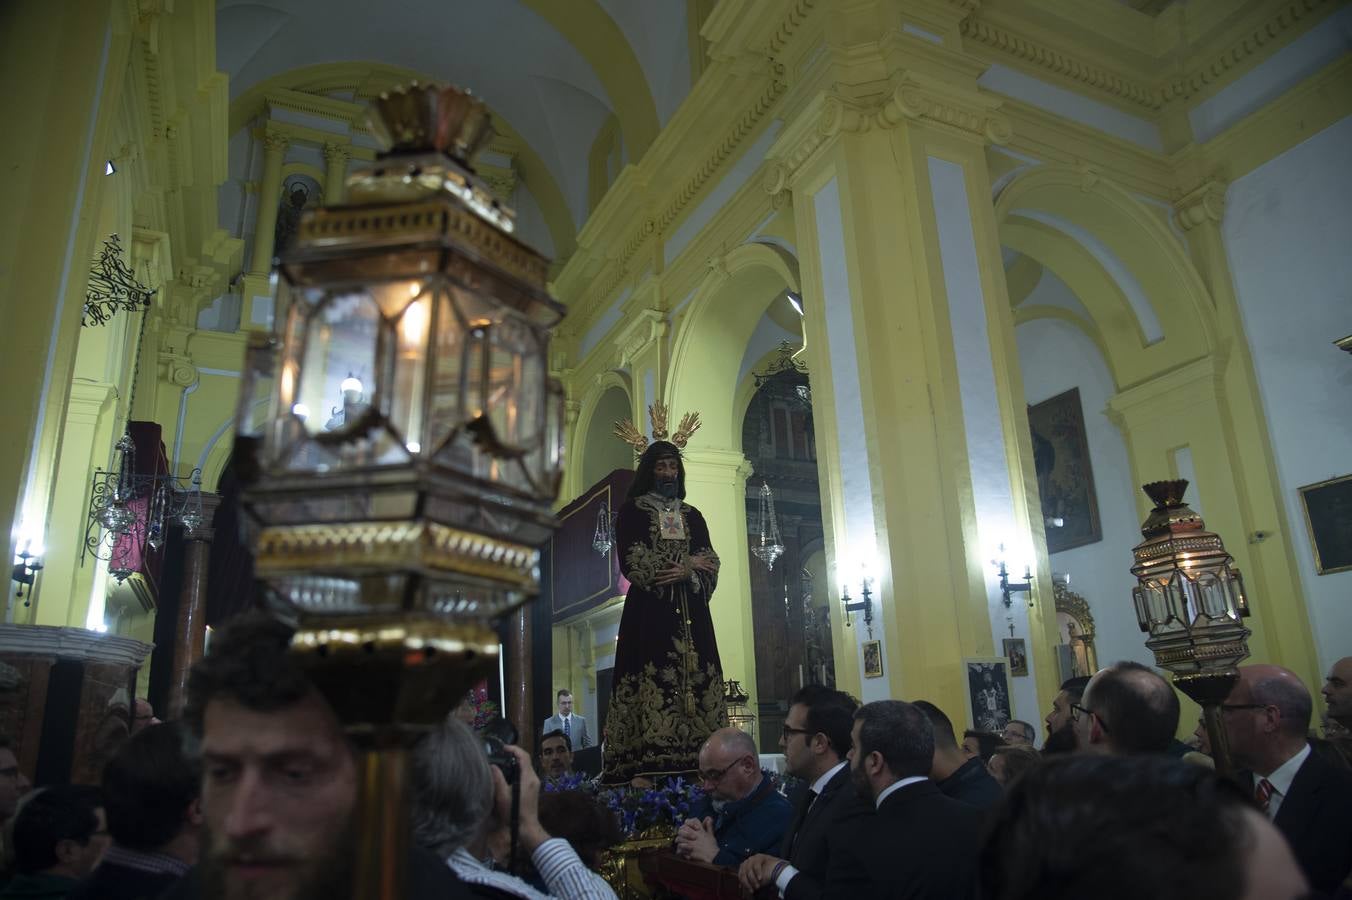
column 1016, row 651
column 988, row 703
column 873, row 659
column 1328, row 516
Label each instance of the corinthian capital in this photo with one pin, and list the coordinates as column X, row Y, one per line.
column 275, row 142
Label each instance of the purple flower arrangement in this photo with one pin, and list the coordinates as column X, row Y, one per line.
column 638, row 810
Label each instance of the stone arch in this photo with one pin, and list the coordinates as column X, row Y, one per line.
column 1115, row 254
column 712, row 336
column 595, row 451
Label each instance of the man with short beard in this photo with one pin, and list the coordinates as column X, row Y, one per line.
column 1060, row 725
column 279, row 779
column 919, row 844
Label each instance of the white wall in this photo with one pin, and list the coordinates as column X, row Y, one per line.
column 1288, row 233
column 1055, row 356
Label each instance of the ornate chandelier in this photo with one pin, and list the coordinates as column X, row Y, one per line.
column 771, row 547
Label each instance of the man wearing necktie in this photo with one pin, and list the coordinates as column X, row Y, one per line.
column 815, row 739
column 1267, row 718
column 573, row 726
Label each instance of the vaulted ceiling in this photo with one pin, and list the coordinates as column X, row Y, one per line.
column 554, row 71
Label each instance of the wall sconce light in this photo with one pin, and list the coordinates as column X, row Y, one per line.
column 865, row 604
column 26, row 568
column 1008, row 587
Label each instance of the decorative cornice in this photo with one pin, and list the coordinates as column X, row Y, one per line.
column 1150, row 96
column 275, row 141
column 1009, row 43
column 1205, row 203
column 914, row 98
column 642, row 330
column 72, row 643
column 1199, row 79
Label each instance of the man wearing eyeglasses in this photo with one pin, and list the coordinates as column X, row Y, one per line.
column 1267, row 718
column 815, row 741
column 746, row 815
column 1126, row 708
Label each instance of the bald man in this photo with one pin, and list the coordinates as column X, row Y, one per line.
column 1126, row 709
column 744, row 815
column 1267, row 718
column 1338, row 692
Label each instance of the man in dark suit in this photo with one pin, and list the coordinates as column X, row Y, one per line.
column 151, row 794
column 1267, row 717
column 920, row 845
column 953, row 772
column 815, row 741
column 569, row 722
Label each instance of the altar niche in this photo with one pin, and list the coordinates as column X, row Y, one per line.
column 790, row 611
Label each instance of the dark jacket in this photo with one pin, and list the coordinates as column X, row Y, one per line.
column 1316, row 818
column 754, row 824
column 920, row 845
column 973, row 785
column 111, row 881
column 807, row 847
column 37, row 887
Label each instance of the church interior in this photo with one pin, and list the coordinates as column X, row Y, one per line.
column 947, row 281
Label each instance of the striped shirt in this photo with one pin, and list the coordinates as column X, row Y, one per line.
column 144, row 861
column 563, row 872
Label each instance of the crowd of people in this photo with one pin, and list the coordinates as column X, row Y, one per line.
column 253, row 792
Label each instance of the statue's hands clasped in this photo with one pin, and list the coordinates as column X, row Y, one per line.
column 673, row 574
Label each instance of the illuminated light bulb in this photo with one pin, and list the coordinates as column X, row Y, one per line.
column 351, row 383
column 413, row 447
column 300, row 410
column 413, row 324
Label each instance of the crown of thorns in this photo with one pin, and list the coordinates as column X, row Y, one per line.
column 631, row 435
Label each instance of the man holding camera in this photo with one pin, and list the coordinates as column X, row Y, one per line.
column 463, row 812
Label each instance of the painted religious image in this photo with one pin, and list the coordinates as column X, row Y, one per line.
column 1328, row 515
column 667, row 693
column 988, row 693
column 1017, row 654
column 1065, row 479
column 873, row 659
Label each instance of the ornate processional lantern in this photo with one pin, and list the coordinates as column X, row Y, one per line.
column 398, row 528
column 1190, row 600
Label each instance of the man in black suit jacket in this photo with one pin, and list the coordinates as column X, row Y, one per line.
column 953, row 773
column 815, row 740
column 1267, row 717
column 920, row 845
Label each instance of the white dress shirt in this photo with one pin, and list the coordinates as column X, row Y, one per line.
column 1281, row 779
column 563, row 872
column 894, row 787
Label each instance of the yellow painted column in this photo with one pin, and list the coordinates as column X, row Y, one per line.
column 256, row 289
column 715, row 483
column 1271, row 573
column 66, row 584
column 913, row 360
column 274, row 154
column 59, row 120
column 335, row 173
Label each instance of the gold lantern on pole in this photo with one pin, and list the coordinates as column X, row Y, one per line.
column 397, row 525
column 1190, row 600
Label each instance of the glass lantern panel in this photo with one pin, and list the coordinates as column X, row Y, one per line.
column 504, row 392
column 1213, row 598
column 1181, row 602
column 394, row 296
column 1156, row 605
column 257, row 388
column 446, row 390
column 338, row 375
column 410, row 372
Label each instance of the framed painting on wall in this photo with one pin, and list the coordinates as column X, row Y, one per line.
column 1328, row 516
column 1065, row 478
column 873, row 659
column 1017, row 654
column 988, row 703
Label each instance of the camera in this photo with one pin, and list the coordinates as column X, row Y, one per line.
column 496, row 735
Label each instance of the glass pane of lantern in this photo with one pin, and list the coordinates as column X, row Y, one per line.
column 1179, row 599
column 410, row 343
column 503, row 387
column 339, row 364
column 444, row 409
column 1212, row 601
column 256, row 387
